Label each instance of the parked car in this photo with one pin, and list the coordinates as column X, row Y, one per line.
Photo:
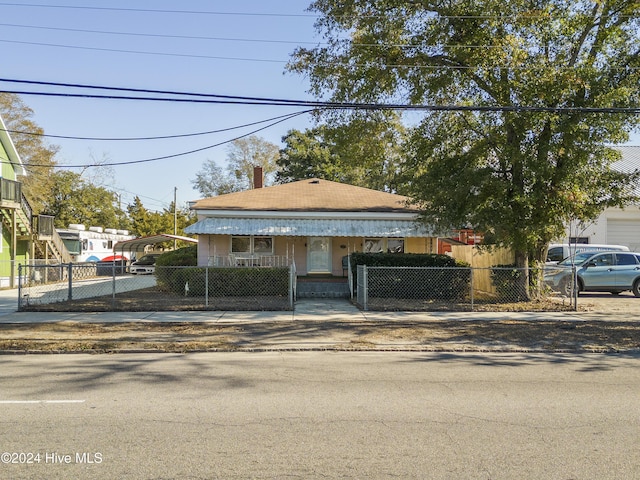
column 611, row 271
column 560, row 251
column 146, row 265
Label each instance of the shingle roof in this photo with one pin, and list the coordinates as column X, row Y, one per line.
column 312, row 195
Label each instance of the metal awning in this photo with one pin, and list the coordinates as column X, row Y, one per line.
column 139, row 244
column 308, row 227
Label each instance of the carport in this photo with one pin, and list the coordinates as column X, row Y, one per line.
column 140, row 245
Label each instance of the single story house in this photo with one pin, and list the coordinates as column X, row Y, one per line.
column 314, row 223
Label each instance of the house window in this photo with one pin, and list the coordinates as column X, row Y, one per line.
column 240, row 244
column 252, row 245
column 395, row 245
column 380, row 245
column 263, row 245
column 373, row 245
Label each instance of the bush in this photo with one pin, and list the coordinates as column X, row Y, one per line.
column 404, row 260
column 174, row 279
column 224, row 282
column 509, row 283
column 440, row 276
column 184, row 257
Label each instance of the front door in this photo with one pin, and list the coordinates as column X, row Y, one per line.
column 319, row 255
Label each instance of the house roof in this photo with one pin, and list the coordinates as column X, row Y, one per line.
column 10, row 148
column 311, row 195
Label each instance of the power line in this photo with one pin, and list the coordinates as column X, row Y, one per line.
column 536, row 66
column 525, row 15
column 150, row 10
column 348, row 106
column 163, row 137
column 160, row 35
column 140, row 52
column 228, row 39
column 245, row 100
column 165, row 157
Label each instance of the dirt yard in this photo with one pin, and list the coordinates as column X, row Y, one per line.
column 619, row 333
column 505, row 335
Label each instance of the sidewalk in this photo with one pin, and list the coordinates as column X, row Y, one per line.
column 306, row 310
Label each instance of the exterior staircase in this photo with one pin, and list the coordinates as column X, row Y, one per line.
column 17, row 217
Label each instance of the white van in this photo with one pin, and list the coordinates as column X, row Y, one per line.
column 560, row 251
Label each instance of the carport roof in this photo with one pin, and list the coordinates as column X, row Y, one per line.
column 139, row 244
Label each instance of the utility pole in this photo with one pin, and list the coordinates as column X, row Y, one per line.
column 175, row 216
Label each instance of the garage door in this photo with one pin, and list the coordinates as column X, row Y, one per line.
column 624, row 232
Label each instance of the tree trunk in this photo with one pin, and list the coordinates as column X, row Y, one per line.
column 521, row 286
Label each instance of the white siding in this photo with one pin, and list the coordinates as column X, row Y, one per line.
column 624, row 232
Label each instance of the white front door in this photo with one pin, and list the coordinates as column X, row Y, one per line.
column 319, row 255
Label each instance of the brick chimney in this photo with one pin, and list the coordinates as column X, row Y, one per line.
column 257, row 177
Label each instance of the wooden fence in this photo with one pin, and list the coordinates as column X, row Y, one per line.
column 481, row 260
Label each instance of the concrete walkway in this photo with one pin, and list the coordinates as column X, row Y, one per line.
column 306, row 310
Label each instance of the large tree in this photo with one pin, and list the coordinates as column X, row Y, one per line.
column 37, row 155
column 242, row 156
column 75, row 200
column 365, row 152
column 536, row 159
column 145, row 222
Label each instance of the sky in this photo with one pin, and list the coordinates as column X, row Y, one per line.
column 242, row 49
column 201, row 46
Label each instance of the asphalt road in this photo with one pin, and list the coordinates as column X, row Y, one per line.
column 320, row 415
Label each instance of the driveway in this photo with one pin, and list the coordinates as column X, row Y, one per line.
column 604, row 303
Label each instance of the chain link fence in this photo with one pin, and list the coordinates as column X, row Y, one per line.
column 457, row 289
column 109, row 287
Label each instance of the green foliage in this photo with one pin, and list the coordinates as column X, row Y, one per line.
column 186, row 256
column 242, row 156
column 74, row 200
column 517, row 175
column 427, row 276
column 509, row 283
column 145, row 222
column 225, row 282
column 366, row 152
column 38, row 157
column 404, row 260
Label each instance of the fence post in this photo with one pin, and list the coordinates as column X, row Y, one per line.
column 206, row 286
column 70, row 274
column 471, row 270
column 574, row 274
column 365, row 289
column 291, row 287
column 19, row 286
column 113, row 282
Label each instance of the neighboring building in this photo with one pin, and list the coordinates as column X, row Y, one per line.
column 24, row 237
column 615, row 226
column 16, row 215
column 314, row 222
column 94, row 244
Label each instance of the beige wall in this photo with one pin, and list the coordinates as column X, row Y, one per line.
column 296, row 247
